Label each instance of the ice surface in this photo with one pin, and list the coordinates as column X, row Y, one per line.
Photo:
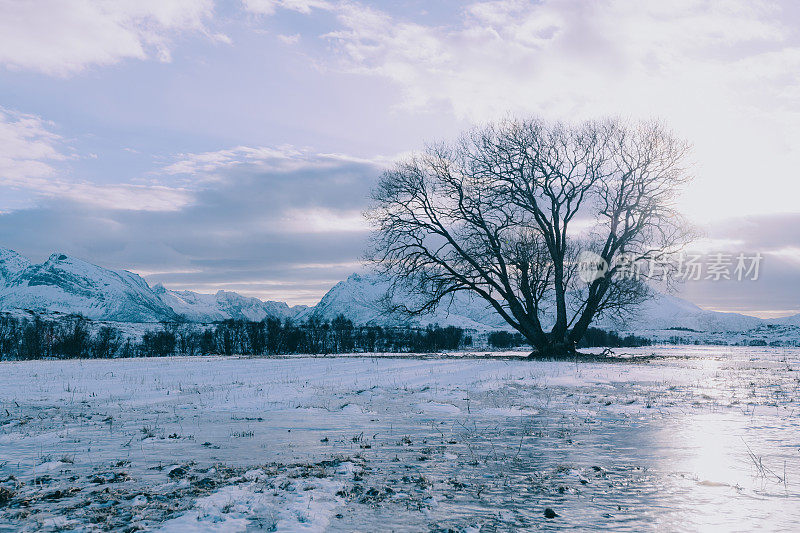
column 692, row 439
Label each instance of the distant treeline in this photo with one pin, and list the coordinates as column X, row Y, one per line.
column 76, row 337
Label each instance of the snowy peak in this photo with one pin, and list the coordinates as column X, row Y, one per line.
column 793, row 320
column 362, row 299
column 225, row 305
column 665, row 311
column 69, row 285
column 11, row 265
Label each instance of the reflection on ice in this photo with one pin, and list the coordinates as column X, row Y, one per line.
column 710, row 445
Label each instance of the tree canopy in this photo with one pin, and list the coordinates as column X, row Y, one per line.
column 507, row 211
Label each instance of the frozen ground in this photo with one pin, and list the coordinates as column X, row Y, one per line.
column 693, row 439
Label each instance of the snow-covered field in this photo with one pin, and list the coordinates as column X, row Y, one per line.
column 694, row 439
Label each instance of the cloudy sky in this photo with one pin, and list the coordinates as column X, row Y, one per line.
column 230, row 145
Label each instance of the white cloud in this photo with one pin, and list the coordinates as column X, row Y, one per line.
column 564, row 57
column 290, row 39
column 61, row 37
column 205, row 166
column 28, row 148
column 32, row 158
column 309, row 192
column 123, row 197
column 268, row 7
column 34, row 162
column 724, row 75
column 791, row 253
column 210, row 166
column 322, row 220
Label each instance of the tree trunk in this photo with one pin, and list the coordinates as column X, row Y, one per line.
column 553, row 349
column 559, row 331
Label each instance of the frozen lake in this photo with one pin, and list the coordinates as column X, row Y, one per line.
column 694, row 439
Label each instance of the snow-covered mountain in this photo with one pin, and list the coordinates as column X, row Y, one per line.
column 224, row 305
column 793, row 320
column 64, row 284
column 361, row 298
column 11, row 265
column 665, row 311
column 67, row 285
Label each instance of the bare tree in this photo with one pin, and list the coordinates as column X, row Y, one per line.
column 493, row 214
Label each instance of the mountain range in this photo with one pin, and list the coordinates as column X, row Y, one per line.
column 66, row 285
